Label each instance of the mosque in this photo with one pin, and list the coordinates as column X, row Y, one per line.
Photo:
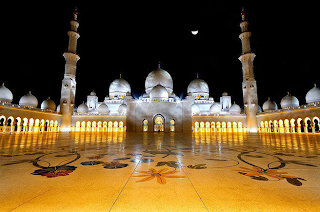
column 159, row 108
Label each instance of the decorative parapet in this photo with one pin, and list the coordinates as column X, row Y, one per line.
column 96, row 114
column 10, row 105
column 308, row 106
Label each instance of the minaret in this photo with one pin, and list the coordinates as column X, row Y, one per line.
column 68, row 89
column 249, row 85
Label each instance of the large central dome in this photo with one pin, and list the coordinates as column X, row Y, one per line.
column 159, row 77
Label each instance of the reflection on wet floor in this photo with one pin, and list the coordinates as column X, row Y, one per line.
column 88, row 171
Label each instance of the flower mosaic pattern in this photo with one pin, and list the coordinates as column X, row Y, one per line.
column 57, row 171
column 198, row 166
column 264, row 167
column 160, row 175
column 114, row 165
column 258, row 173
column 91, row 162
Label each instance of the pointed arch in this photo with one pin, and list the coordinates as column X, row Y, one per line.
column 308, row 125
column 159, row 123
column 316, row 124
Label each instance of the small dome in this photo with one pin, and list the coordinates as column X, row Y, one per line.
column 235, row 109
column 198, row 86
column 159, row 92
column 122, row 109
column 48, row 105
column 93, row 93
column 159, row 77
column 289, row 101
column 313, row 95
column 225, row 94
column 119, row 86
column 5, row 94
column 28, row 100
column 82, row 108
column 195, row 109
column 215, row 108
column 103, row 108
column 269, row 105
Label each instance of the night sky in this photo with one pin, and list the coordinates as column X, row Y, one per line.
column 131, row 38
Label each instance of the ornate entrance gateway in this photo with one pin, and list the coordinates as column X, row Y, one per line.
column 158, row 123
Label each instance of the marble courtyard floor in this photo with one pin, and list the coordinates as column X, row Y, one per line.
column 159, row 172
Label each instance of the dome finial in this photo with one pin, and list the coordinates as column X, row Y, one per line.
column 29, row 92
column 75, row 14
column 159, row 65
column 315, row 85
column 2, row 84
column 120, row 75
column 197, row 75
column 243, row 15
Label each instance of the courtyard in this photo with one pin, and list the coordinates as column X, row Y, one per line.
column 115, row 171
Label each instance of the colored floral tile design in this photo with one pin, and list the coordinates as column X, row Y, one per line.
column 91, row 162
column 56, row 171
column 197, row 166
column 173, row 164
column 160, row 175
column 258, row 173
column 114, row 165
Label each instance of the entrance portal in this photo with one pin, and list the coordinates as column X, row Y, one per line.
column 158, row 123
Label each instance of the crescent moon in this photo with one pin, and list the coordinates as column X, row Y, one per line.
column 195, row 32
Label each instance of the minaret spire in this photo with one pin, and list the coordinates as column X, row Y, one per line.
column 249, row 85
column 243, row 15
column 68, row 89
column 75, row 14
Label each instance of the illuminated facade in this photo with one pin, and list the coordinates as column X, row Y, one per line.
column 159, row 108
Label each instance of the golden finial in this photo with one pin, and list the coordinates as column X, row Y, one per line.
column 159, row 65
column 315, row 85
column 120, row 75
column 2, row 84
column 75, row 14
column 243, row 15
column 197, row 75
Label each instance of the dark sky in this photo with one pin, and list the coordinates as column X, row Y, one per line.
column 131, row 38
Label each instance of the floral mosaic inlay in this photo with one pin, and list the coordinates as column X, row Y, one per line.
column 160, row 175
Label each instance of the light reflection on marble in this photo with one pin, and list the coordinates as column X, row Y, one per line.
column 159, row 172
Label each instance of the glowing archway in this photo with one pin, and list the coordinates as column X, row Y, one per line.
column 159, row 123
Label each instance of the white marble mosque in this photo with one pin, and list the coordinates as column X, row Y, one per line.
column 159, row 108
